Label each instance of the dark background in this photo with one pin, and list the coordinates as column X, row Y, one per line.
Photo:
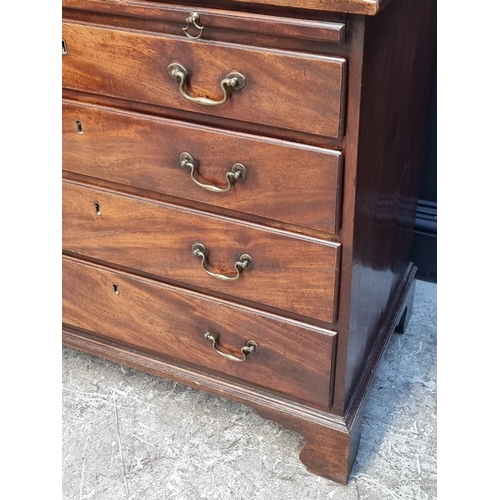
column 424, row 248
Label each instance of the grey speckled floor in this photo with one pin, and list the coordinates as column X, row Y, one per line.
column 128, row 435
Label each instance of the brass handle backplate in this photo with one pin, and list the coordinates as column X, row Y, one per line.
column 251, row 347
column 238, row 172
column 233, row 81
column 245, row 263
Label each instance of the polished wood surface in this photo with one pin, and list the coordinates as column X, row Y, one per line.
column 331, row 441
column 214, row 19
column 330, row 448
column 384, row 207
column 367, row 7
column 167, row 20
column 286, row 182
column 169, row 321
column 133, row 66
column 290, row 273
column 330, row 234
column 230, row 125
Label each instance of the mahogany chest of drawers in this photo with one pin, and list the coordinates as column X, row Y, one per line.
column 239, row 189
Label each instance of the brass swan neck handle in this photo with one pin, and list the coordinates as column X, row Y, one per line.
column 233, row 81
column 238, row 172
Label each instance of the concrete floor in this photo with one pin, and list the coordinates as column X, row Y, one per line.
column 128, row 435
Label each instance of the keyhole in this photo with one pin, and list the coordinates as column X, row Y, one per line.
column 116, row 290
column 79, row 127
column 64, row 48
column 97, row 208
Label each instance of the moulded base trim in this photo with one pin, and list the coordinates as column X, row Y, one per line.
column 331, row 440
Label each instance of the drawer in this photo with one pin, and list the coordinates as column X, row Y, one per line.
column 281, row 89
column 289, row 272
column 292, row 358
column 211, row 22
column 282, row 181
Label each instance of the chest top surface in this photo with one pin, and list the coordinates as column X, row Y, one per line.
column 366, row 7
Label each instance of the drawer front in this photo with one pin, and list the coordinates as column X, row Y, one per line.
column 283, row 89
column 292, row 358
column 211, row 21
column 285, row 182
column 291, row 273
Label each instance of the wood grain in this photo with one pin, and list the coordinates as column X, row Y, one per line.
column 290, row 273
column 293, row 358
column 332, row 440
column 190, row 117
column 212, row 19
column 115, row 70
column 367, row 7
column 394, row 101
column 331, row 445
column 308, row 41
column 133, row 66
column 286, row 182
